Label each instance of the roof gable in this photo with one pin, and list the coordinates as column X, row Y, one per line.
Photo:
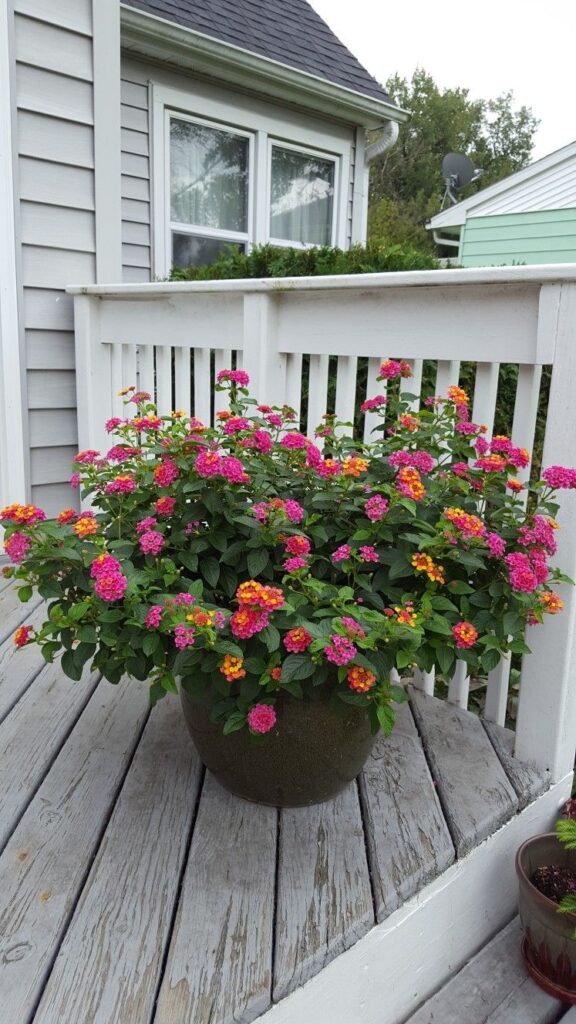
column 547, row 184
column 287, row 31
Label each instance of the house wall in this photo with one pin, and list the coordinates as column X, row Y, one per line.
column 57, row 244
column 547, row 236
column 140, row 80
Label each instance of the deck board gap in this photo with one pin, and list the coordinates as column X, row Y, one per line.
column 275, row 912
column 90, row 690
column 90, row 861
column 171, row 925
column 365, row 818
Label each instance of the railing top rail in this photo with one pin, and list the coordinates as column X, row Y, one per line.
column 556, row 273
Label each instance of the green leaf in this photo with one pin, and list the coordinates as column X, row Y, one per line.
column 386, row 718
column 292, row 687
column 69, row 666
column 210, row 569
column 49, row 650
column 404, row 658
column 150, row 643
column 188, row 560
column 236, row 721
column 445, row 657
column 398, row 694
column 87, row 634
column 490, row 659
column 436, row 624
column 460, row 587
column 256, row 666
column 25, row 593
column 257, row 561
column 271, row 637
column 228, row 647
column 297, row 666
column 49, row 589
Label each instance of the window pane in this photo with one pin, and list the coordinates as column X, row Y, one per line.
column 208, row 176
column 196, row 251
column 302, row 197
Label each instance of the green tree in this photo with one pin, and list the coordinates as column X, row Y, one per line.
column 406, row 184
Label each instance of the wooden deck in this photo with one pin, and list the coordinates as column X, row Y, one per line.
column 134, row 890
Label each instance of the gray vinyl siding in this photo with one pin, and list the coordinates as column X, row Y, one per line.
column 53, row 48
column 136, row 152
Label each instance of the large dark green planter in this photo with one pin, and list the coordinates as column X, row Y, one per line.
column 549, row 945
column 312, row 753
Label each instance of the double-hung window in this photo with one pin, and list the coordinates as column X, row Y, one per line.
column 210, row 190
column 302, row 186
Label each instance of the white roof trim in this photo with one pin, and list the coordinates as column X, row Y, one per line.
column 162, row 40
column 456, row 215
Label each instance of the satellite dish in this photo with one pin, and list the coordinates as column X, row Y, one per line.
column 458, row 171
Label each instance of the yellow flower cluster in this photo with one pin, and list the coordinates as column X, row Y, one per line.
column 232, row 668
column 424, row 563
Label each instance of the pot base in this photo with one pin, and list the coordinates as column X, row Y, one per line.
column 551, row 987
column 310, row 756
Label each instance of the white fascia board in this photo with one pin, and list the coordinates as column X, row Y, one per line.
column 456, row 215
column 165, row 41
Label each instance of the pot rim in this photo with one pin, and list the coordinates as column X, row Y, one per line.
column 545, row 900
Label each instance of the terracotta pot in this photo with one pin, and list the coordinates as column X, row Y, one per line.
column 549, row 945
column 313, row 752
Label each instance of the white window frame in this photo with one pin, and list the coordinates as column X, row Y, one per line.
column 306, row 151
column 265, row 125
column 197, row 230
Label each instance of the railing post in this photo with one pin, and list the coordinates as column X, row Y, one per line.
column 93, row 374
column 546, row 725
column 261, row 358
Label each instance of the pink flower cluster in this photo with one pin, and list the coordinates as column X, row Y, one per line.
column 373, row 403
column 112, row 423
column 560, row 477
column 342, row 553
column 17, row 547
column 541, row 534
column 261, row 718
column 154, row 616
column 290, row 508
column 122, row 452
column 293, row 440
column 210, row 463
column 110, row 582
column 418, row 460
column 340, row 650
column 390, row 369
column 352, row 627
column 466, row 428
column 246, row 622
column 165, row 506
column 184, row 636
column 151, row 542
column 376, row 508
column 521, row 573
column 124, row 484
column 166, row 473
column 86, row 458
column 367, row 553
column 239, row 377
column 298, row 546
column 496, row 545
column 235, row 424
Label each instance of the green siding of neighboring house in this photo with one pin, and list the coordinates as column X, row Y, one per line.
column 543, row 236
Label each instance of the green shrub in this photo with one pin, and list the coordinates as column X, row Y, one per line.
column 272, row 261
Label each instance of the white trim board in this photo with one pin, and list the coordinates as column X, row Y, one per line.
column 107, row 140
column 13, row 447
column 401, row 962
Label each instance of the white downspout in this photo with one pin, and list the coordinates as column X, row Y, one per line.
column 386, row 139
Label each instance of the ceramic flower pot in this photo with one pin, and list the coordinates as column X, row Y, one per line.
column 549, row 944
column 312, row 753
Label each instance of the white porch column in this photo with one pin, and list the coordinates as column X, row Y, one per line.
column 546, row 725
column 13, row 430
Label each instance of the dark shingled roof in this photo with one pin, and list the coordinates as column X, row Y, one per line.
column 288, row 31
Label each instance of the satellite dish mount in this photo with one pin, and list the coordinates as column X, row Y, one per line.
column 458, row 171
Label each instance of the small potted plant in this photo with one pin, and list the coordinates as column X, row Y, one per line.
column 276, row 580
column 546, row 869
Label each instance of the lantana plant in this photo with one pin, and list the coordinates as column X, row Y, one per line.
column 256, row 564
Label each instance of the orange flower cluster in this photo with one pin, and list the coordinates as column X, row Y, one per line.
column 353, row 465
column 457, row 395
column 201, row 617
column 424, row 563
column 471, row 526
column 552, row 603
column 231, row 668
column 409, row 482
column 67, row 515
column 406, row 616
column 22, row 514
column 360, row 679
column 515, row 485
column 85, row 527
column 465, row 634
column 257, row 595
column 409, row 422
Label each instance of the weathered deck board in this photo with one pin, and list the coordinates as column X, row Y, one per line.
column 476, row 795
column 493, row 988
column 18, row 667
column 408, row 840
column 324, row 898
column 13, row 612
column 109, row 965
column 32, row 734
column 528, row 782
column 220, row 961
column 44, row 864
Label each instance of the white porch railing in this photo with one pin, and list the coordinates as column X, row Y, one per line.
column 161, row 338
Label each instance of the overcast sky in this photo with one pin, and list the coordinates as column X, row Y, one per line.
column 490, row 47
